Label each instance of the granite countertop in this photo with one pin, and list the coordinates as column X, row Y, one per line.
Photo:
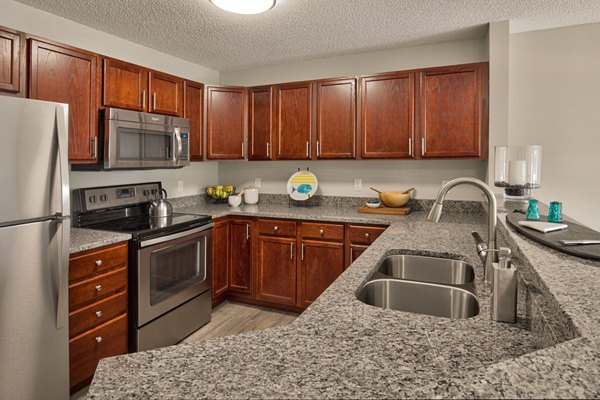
column 340, row 347
column 86, row 239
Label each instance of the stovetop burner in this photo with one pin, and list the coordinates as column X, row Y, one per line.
column 145, row 226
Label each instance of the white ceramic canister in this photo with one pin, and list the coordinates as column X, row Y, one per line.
column 251, row 196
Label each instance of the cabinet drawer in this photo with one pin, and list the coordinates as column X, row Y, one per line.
column 276, row 227
column 97, row 313
column 316, row 230
column 365, row 234
column 107, row 340
column 96, row 261
column 97, row 288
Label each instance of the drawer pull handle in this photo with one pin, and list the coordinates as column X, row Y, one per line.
column 99, row 339
column 367, row 235
column 275, row 228
column 98, row 313
column 98, row 288
column 98, row 263
column 321, row 231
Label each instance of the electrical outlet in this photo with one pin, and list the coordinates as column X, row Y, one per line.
column 257, row 183
column 358, row 185
column 180, row 186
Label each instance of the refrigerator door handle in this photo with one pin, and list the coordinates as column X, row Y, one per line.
column 63, row 158
column 63, row 272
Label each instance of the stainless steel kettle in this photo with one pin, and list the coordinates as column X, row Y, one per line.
column 161, row 208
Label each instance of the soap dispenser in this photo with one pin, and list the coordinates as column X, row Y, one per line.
column 504, row 288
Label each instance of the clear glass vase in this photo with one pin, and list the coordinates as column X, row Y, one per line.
column 518, row 169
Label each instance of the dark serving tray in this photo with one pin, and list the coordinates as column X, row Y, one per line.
column 575, row 231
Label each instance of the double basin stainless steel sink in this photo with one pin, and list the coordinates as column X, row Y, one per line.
column 424, row 285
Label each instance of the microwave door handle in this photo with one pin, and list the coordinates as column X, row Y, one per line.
column 179, row 145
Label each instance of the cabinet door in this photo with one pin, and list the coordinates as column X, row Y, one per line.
column 260, row 123
column 240, row 264
column 124, row 85
column 336, row 119
column 387, row 116
column 226, row 121
column 277, row 270
column 68, row 75
column 294, row 121
column 194, row 111
column 166, row 94
column 453, row 111
column 221, row 257
column 355, row 250
column 320, row 264
column 10, row 60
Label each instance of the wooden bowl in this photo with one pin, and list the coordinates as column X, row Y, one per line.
column 394, row 199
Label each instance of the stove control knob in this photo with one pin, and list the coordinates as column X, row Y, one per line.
column 146, row 192
column 92, row 199
column 154, row 191
column 103, row 197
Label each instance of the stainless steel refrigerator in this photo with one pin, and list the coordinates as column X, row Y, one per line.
column 34, row 249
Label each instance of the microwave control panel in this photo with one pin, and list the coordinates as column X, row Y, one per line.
column 185, row 147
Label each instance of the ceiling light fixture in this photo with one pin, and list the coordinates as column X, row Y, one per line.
column 244, row 6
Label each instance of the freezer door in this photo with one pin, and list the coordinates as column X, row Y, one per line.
column 34, row 342
column 34, row 174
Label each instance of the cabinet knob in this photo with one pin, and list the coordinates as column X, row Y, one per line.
column 98, row 288
column 98, row 313
column 98, row 263
column 275, row 228
column 367, row 235
column 98, row 339
column 321, row 231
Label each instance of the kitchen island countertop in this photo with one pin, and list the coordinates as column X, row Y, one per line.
column 340, row 347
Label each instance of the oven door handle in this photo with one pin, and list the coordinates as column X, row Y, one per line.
column 162, row 239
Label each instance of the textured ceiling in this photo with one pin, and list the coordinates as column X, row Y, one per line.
column 197, row 31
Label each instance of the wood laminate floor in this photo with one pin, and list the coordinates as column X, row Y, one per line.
column 234, row 318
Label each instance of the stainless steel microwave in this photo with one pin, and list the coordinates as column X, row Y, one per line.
column 137, row 140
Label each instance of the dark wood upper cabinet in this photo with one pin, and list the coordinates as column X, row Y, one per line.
column 276, row 269
column 194, row 111
column 67, row 75
column 226, row 122
column 453, row 111
column 166, row 94
column 12, row 57
column 124, row 85
column 294, row 121
column 336, row 119
column 221, row 252
column 240, row 264
column 260, row 123
column 387, row 115
column 320, row 264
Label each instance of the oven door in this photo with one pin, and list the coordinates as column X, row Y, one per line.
column 140, row 145
column 172, row 270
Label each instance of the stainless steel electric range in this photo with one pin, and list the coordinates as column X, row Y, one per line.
column 169, row 261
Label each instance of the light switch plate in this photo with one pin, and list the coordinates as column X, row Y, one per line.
column 180, row 186
column 358, row 185
column 257, row 183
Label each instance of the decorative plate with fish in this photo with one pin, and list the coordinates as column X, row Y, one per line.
column 302, row 185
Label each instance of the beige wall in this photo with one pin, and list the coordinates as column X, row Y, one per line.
column 21, row 17
column 337, row 177
column 555, row 101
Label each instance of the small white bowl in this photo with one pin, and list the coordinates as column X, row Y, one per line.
column 373, row 205
column 235, row 200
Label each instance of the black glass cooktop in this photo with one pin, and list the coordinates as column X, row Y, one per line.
column 144, row 226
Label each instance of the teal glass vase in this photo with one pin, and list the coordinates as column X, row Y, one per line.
column 555, row 213
column 533, row 211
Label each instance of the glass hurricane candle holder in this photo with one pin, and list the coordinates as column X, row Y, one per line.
column 518, row 169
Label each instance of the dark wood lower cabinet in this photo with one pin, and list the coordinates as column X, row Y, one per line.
column 320, row 264
column 277, row 270
column 220, row 260
column 240, row 261
column 355, row 251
